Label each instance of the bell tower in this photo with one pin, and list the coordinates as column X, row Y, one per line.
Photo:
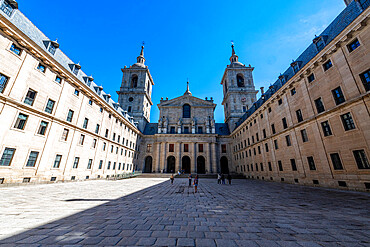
column 238, row 90
column 135, row 93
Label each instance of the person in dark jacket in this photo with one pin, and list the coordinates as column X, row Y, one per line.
column 229, row 178
column 190, row 177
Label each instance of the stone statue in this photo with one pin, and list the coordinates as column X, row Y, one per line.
column 179, row 123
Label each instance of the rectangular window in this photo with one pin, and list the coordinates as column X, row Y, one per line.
column 269, row 110
column 104, row 146
column 108, row 167
column 32, row 159
column 347, row 121
column 75, row 163
column 261, row 165
column 280, row 165
column 70, row 116
column 7, row 157
column 200, row 147
column 252, row 139
column 294, row 166
column 200, row 130
column 82, row 139
column 270, row 166
column 171, row 147
column 186, row 147
column 65, row 135
column 111, row 148
column 338, row 96
column 257, row 137
column 304, row 135
column 172, row 130
column 100, row 164
column 293, row 91
column 280, row 101
column 89, row 164
column 106, row 134
column 118, row 138
column 15, row 49
column 311, row 78
column 7, row 8
column 42, row 128
column 361, row 159
column 3, row 81
column 58, row 79
column 353, row 45
column 327, row 65
column 77, row 93
column 365, row 78
column 259, row 149
column 52, row 48
column 97, row 129
column 337, row 163
column 288, row 142
column 223, row 148
column 311, row 163
column 326, row 128
column 186, row 130
column 273, row 128
column 319, row 105
column 49, row 106
column 86, row 122
column 276, row 144
column 264, row 133
column 21, row 121
column 114, row 166
column 94, row 143
column 41, row 68
column 299, row 115
column 148, row 148
column 285, row 124
column 266, row 147
column 58, row 159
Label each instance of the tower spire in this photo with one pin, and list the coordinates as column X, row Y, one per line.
column 187, row 92
column 234, row 57
column 140, row 58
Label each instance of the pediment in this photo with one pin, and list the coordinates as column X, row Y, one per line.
column 186, row 99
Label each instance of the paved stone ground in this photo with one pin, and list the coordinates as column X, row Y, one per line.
column 146, row 212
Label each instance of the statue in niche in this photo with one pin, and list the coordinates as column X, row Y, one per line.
column 160, row 123
column 165, row 122
column 193, row 122
column 179, row 123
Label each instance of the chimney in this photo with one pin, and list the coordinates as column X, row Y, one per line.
column 262, row 91
column 347, row 2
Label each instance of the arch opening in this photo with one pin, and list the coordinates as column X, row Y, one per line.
column 201, row 165
column 186, row 164
column 134, row 79
column 240, row 80
column 224, row 165
column 148, row 166
column 171, row 164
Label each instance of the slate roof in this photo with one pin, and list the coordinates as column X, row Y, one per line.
column 150, row 129
column 349, row 14
column 19, row 20
column 222, row 129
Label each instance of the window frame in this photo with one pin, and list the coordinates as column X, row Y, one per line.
column 34, row 161
column 3, row 82
column 3, row 159
column 18, row 122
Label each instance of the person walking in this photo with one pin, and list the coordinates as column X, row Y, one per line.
column 219, row 178
column 229, row 178
column 172, row 178
column 196, row 181
column 190, row 178
column 223, row 178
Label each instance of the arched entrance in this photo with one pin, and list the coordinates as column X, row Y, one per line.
column 148, row 164
column 186, row 164
column 224, row 165
column 171, row 164
column 201, row 165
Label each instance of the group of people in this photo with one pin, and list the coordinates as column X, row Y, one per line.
column 195, row 183
column 221, row 178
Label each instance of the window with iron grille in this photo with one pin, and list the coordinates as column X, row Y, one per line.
column 311, row 163
column 304, row 135
column 338, row 96
column 7, row 157
column 326, row 128
column 58, row 159
column 3, row 80
column 337, row 163
column 347, row 121
column 32, row 159
column 361, row 159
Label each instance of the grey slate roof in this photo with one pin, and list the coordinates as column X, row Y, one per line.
column 222, row 129
column 349, row 14
column 151, row 129
column 19, row 20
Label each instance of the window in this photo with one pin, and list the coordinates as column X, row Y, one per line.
column 365, row 78
column 86, row 122
column 264, row 133
column 101, row 109
column 21, row 121
column 337, row 163
column 82, row 139
column 304, row 135
column 77, row 93
column 108, row 167
column 319, row 105
column 326, row 128
column 97, row 129
column 32, row 159
column 266, row 147
column 320, row 43
column 104, row 145
column 200, row 130
column 269, row 110
column 311, row 163
column 7, row 8
column 30, row 97
column 41, row 68
column 338, row 96
column 293, row 91
column 3, row 80
column 148, row 148
column 94, row 143
column 52, row 48
column 285, row 125
column 70, row 115
column 288, row 142
column 129, row 109
column 280, row 101
column 311, row 78
column 100, row 164
column 186, row 130
column 261, row 165
column 270, row 166
column 240, row 80
column 58, row 79
column 111, row 148
column 58, row 159
column 89, row 164
column 172, row 130
column 75, row 163
column 273, row 128
column 171, row 147
column 276, row 144
column 90, row 102
column 347, row 121
column 327, row 65
column 76, row 69
column 114, row 136
column 353, row 45
column 49, row 106
column 294, row 166
column 65, row 135
column 114, row 165
column 299, row 115
column 186, row 147
column 118, row 138
column 106, row 133
column 186, row 111
column 134, row 80
column 361, row 159
column 223, row 148
column 7, row 157
column 42, row 128
column 15, row 49
column 280, row 165
column 257, row 137
column 200, row 147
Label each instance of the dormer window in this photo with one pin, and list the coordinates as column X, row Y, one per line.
column 53, row 46
column 75, row 68
column 15, row 49
column 8, row 6
column 282, row 79
column 319, row 42
column 295, row 66
column 88, row 80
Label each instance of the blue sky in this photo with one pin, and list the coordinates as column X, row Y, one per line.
column 183, row 39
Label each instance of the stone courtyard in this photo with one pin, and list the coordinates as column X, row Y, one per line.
column 151, row 211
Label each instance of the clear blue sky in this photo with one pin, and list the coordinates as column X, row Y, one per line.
column 184, row 39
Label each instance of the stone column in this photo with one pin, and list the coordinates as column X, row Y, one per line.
column 178, row 157
column 163, row 156
column 209, row 159
column 194, row 165
column 158, row 159
column 214, row 157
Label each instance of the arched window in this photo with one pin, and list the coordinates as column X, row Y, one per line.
column 134, row 80
column 186, row 111
column 240, row 80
